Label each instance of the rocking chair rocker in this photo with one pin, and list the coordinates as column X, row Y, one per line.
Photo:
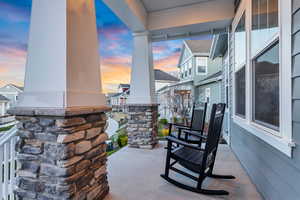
column 194, row 158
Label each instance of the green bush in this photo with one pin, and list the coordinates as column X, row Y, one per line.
column 175, row 119
column 163, row 121
column 122, row 140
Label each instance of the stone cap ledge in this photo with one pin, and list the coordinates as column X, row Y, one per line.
column 135, row 104
column 58, row 112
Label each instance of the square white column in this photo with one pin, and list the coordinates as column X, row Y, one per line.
column 142, row 86
column 63, row 65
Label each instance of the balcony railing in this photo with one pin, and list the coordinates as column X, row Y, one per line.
column 8, row 164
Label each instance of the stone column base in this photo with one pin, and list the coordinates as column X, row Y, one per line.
column 62, row 154
column 142, row 125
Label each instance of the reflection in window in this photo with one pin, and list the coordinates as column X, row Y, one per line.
column 240, row 43
column 266, row 87
column 240, row 95
column 201, row 63
column 264, row 23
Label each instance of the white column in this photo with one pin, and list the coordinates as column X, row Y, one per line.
column 63, row 68
column 142, row 87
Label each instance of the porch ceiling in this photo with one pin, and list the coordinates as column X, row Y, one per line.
column 158, row 5
column 170, row 19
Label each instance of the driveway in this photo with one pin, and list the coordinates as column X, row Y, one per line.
column 113, row 126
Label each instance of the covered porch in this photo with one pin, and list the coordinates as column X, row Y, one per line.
column 134, row 174
column 62, row 126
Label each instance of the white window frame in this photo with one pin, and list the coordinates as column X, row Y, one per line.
column 206, row 66
column 282, row 139
column 239, row 14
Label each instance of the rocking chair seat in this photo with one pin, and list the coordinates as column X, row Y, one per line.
column 189, row 158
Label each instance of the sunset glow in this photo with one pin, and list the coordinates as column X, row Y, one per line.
column 115, row 45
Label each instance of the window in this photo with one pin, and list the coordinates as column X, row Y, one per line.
column 240, row 91
column 201, row 63
column 264, row 23
column 265, row 63
column 190, row 67
column 240, row 43
column 262, row 71
column 266, row 88
column 240, row 72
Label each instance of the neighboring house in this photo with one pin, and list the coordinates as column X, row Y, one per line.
column 206, row 72
column 119, row 100
column 11, row 92
column 4, row 105
column 200, row 77
column 175, row 98
column 123, row 87
column 163, row 79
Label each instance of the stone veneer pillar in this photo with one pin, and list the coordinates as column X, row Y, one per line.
column 62, row 155
column 142, row 125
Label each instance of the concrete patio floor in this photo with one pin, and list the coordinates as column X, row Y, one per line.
column 134, row 174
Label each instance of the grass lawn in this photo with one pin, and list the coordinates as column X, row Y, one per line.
column 113, row 151
column 6, row 128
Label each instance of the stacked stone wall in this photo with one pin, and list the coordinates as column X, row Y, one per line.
column 62, row 157
column 142, row 126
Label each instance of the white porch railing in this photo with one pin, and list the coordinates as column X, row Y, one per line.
column 8, row 164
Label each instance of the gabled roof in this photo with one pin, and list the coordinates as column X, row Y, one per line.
column 19, row 88
column 199, row 46
column 195, row 47
column 3, row 98
column 212, row 78
column 160, row 75
column 219, row 45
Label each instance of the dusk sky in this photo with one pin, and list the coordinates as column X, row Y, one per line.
column 115, row 45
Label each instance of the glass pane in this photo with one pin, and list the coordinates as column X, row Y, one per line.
column 240, row 95
column 264, row 23
column 201, row 64
column 240, row 43
column 266, row 87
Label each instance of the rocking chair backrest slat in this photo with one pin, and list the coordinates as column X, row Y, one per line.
column 214, row 130
column 198, row 117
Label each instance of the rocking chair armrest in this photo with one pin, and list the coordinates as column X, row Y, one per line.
column 194, row 133
column 179, row 126
column 177, row 141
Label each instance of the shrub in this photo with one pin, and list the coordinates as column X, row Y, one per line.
column 122, row 140
column 165, row 132
column 175, row 119
column 163, row 121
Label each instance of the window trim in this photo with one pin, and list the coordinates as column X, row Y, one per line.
column 241, row 11
column 206, row 67
column 282, row 141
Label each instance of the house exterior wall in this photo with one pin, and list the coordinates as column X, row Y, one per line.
column 11, row 93
column 185, row 60
column 214, row 97
column 275, row 175
column 213, row 67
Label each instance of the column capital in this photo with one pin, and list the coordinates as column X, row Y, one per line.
column 141, row 33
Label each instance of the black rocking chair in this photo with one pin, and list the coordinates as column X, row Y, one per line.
column 194, row 158
column 197, row 124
